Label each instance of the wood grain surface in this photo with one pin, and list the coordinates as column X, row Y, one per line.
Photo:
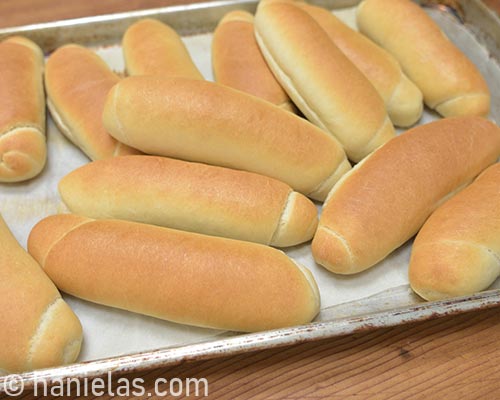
column 449, row 358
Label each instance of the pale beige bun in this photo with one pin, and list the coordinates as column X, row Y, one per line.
column 77, row 81
column 402, row 98
column 151, row 47
column 329, row 90
column 174, row 275
column 237, row 61
column 214, row 124
column 385, row 199
column 39, row 330
column 192, row 197
column 23, row 149
column 457, row 251
column 450, row 82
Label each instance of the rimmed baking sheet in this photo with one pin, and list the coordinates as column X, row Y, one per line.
column 121, row 341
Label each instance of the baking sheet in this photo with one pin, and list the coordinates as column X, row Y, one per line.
column 109, row 333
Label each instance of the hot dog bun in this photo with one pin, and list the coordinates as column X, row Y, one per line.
column 77, row 82
column 329, row 90
column 179, row 276
column 214, row 124
column 450, row 82
column 403, row 100
column 457, row 251
column 39, row 330
column 385, row 200
column 190, row 196
column 151, row 47
column 23, row 149
column 237, row 61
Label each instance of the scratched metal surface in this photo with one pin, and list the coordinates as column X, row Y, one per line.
column 389, row 308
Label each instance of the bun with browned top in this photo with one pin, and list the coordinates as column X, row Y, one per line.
column 77, row 82
column 329, row 90
column 237, row 61
column 403, row 100
column 385, row 199
column 39, row 330
column 214, row 124
column 151, row 47
column 450, row 82
column 457, row 251
column 23, row 148
column 193, row 197
column 179, row 276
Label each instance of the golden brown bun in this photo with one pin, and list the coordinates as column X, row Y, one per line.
column 179, row 276
column 385, row 199
column 237, row 61
column 151, row 47
column 39, row 330
column 403, row 100
column 193, row 197
column 329, row 90
column 214, row 124
column 77, row 82
column 450, row 82
column 457, row 251
column 23, row 149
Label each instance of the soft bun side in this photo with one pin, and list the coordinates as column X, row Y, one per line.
column 191, row 197
column 384, row 200
column 174, row 275
column 23, row 151
column 237, row 61
column 171, row 117
column 77, row 81
column 39, row 330
column 151, row 47
column 457, row 251
column 324, row 84
column 450, row 82
column 403, row 100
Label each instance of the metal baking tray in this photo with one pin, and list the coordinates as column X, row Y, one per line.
column 390, row 307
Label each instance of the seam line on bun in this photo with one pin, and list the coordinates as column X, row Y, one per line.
column 118, row 122
column 461, row 96
column 341, row 239
column 281, row 222
column 42, row 263
column 14, row 128
column 313, row 116
column 374, row 138
column 44, row 319
column 319, row 188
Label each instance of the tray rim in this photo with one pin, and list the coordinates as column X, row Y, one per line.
column 240, row 343
column 244, row 343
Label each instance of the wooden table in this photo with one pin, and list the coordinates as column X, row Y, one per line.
column 448, row 358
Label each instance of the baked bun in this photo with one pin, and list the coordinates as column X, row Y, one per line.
column 237, row 61
column 23, row 149
column 211, row 123
column 451, row 84
column 77, row 82
column 39, row 330
column 174, row 275
column 151, row 47
column 328, row 88
column 385, row 199
column 457, row 251
column 193, row 197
